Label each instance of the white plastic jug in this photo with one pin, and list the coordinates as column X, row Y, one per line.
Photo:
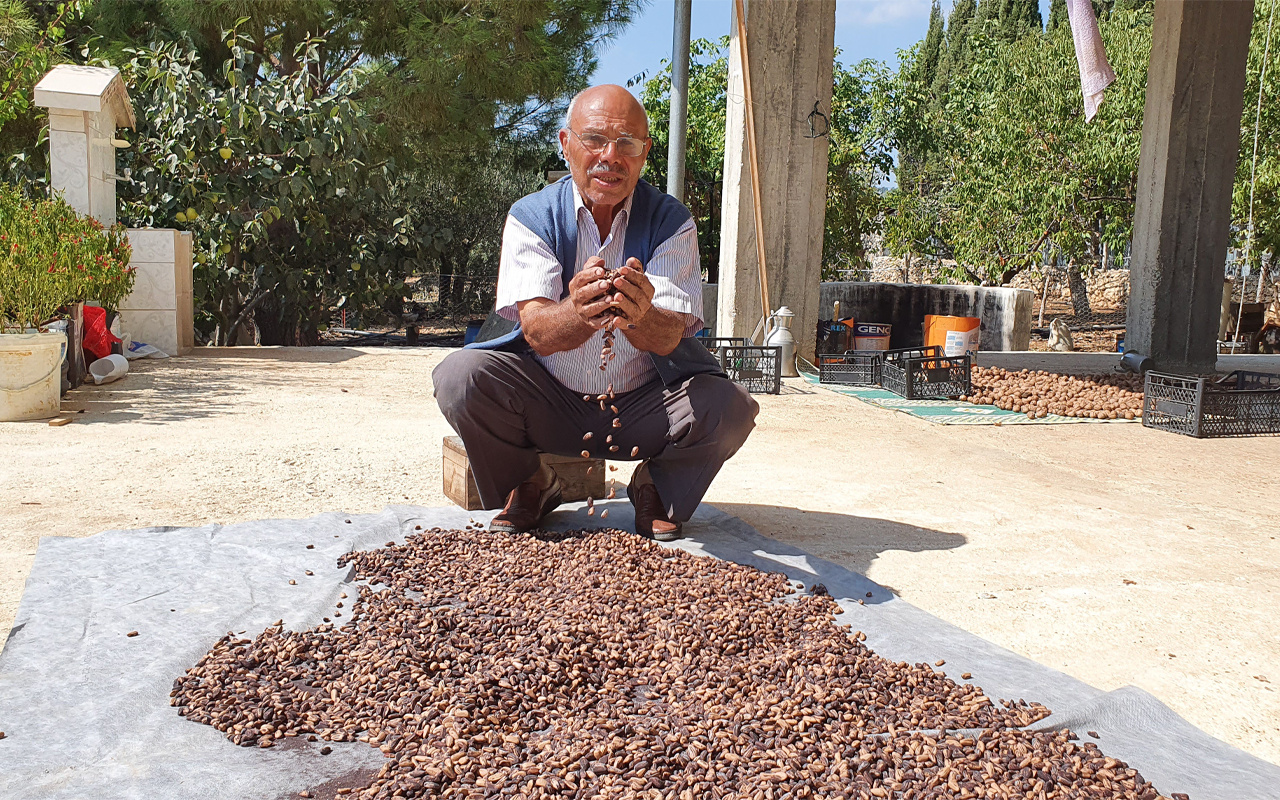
column 30, row 375
column 112, row 368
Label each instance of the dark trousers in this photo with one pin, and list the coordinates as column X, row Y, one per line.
column 507, row 408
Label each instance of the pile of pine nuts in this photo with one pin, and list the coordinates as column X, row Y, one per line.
column 597, row 663
column 1037, row 393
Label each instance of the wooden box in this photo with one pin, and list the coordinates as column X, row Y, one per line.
column 460, row 485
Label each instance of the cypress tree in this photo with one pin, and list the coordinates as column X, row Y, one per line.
column 931, row 53
column 955, row 57
column 1058, row 15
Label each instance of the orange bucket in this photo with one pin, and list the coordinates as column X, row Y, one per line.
column 957, row 336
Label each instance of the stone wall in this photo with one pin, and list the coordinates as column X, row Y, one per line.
column 1006, row 313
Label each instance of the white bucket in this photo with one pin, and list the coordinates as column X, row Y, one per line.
column 31, row 375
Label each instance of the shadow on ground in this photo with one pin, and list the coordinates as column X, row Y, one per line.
column 852, row 542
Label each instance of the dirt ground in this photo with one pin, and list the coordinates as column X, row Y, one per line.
column 1117, row 554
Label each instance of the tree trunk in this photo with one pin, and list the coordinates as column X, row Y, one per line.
column 1079, row 291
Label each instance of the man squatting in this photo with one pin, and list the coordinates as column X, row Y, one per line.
column 602, row 250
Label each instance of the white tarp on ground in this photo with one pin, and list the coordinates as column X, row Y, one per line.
column 86, row 707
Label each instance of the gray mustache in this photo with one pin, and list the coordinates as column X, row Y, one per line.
column 604, row 168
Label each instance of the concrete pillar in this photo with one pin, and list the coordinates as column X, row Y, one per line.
column 86, row 105
column 1190, row 140
column 791, row 47
column 160, row 309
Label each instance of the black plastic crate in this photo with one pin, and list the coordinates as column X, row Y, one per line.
column 759, row 369
column 850, row 368
column 714, row 343
column 1241, row 404
column 921, row 373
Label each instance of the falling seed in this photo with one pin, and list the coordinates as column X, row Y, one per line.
column 614, row 409
column 612, row 468
column 868, row 594
column 604, row 513
column 587, row 436
column 613, row 448
column 966, row 675
column 612, row 493
column 591, row 512
column 617, row 423
column 635, row 451
column 131, row 634
column 586, row 454
column 1094, row 734
column 609, row 439
column 590, row 470
column 309, row 572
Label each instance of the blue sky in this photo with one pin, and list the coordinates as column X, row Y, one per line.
column 864, row 29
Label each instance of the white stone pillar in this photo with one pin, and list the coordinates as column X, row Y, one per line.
column 791, row 48
column 86, row 105
column 160, row 309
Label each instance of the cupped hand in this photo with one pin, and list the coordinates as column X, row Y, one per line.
column 589, row 293
column 634, row 292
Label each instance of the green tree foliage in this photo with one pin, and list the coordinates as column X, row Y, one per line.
column 955, row 58
column 860, row 154
column 1014, row 165
column 1008, row 20
column 452, row 73
column 860, row 158
column 277, row 183
column 369, row 141
column 704, row 144
column 1266, row 189
column 32, row 40
column 931, row 49
column 1057, row 15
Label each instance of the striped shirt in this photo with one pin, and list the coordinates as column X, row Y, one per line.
column 528, row 269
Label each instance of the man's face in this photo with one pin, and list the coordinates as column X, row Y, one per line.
column 607, row 177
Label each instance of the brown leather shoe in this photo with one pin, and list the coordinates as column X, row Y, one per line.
column 526, row 506
column 651, row 515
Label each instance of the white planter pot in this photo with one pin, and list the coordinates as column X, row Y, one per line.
column 30, row 375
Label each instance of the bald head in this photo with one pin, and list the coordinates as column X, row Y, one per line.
column 612, row 99
column 605, row 172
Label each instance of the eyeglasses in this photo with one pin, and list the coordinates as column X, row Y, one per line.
column 597, row 143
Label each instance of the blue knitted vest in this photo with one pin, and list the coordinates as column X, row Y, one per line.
column 654, row 218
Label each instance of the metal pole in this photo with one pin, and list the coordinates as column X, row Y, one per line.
column 679, row 123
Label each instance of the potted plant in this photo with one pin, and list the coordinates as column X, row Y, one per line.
column 50, row 258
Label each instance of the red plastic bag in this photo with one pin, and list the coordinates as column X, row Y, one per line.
column 97, row 339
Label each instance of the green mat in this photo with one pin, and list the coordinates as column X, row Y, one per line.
column 947, row 412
